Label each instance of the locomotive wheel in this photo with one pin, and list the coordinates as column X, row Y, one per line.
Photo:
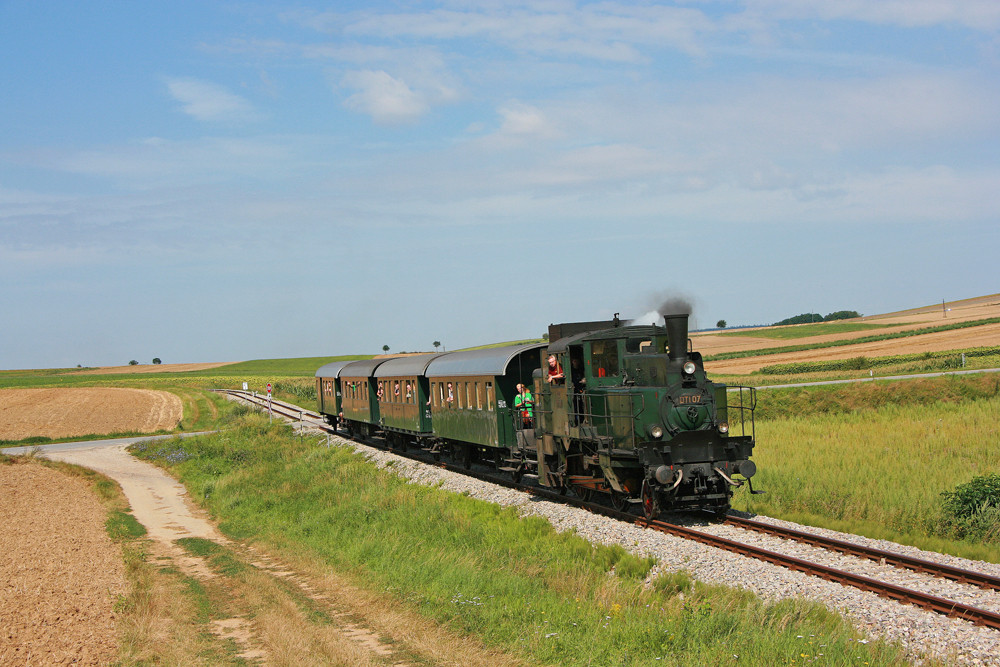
column 618, row 500
column 516, row 474
column 584, row 493
column 650, row 508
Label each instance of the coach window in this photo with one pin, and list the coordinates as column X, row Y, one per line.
column 489, row 396
column 479, row 396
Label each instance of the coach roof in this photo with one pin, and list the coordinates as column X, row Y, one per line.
column 332, row 369
column 361, row 369
column 414, row 364
column 489, row 361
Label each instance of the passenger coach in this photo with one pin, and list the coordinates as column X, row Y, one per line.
column 403, row 393
column 359, row 405
column 328, row 391
column 472, row 397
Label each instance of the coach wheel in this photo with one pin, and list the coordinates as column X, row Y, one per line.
column 584, row 493
column 466, row 457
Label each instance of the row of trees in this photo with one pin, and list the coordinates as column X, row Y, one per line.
column 437, row 344
column 806, row 318
column 156, row 360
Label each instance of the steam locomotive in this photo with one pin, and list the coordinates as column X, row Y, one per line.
column 603, row 408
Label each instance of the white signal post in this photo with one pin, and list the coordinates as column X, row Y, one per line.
column 268, row 402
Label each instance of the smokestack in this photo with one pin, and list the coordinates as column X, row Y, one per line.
column 677, row 335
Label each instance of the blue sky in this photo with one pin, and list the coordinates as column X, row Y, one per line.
column 220, row 181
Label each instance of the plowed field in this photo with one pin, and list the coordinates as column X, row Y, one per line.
column 69, row 412
column 60, row 573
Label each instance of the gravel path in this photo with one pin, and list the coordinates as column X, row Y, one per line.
column 921, row 633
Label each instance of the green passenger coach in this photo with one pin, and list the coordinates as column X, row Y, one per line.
column 472, row 396
column 328, row 393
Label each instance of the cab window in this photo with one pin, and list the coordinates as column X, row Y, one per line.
column 604, row 357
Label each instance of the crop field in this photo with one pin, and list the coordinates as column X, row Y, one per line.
column 48, row 413
column 806, row 330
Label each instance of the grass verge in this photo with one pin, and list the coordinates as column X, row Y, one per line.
column 875, row 460
column 513, row 584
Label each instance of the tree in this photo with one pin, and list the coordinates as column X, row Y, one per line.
column 437, row 344
column 156, row 360
column 133, row 363
column 842, row 315
column 721, row 324
column 385, row 348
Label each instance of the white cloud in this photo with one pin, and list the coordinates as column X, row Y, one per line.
column 523, row 119
column 389, row 101
column 208, row 101
column 980, row 15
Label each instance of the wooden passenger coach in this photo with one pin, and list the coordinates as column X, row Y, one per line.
column 359, row 403
column 403, row 391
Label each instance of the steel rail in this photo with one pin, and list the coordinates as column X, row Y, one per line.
column 884, row 589
column 887, row 590
column 871, row 553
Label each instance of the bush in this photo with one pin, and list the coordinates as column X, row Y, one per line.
column 972, row 510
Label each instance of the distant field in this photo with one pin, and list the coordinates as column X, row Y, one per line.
column 792, row 331
column 527, row 341
column 302, row 366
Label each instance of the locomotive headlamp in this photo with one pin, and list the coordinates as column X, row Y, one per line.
column 689, row 368
column 655, row 431
column 723, row 427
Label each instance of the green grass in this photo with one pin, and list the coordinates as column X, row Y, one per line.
column 123, row 526
column 806, row 330
column 301, row 366
column 514, row 583
column 875, row 458
column 526, row 341
column 897, row 364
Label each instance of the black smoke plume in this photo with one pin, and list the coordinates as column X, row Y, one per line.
column 675, row 306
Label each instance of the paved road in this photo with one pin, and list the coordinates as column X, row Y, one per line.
column 91, row 444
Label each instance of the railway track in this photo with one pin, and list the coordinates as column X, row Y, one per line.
column 884, row 589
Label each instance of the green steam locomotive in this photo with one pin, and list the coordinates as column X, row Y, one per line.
column 603, row 408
